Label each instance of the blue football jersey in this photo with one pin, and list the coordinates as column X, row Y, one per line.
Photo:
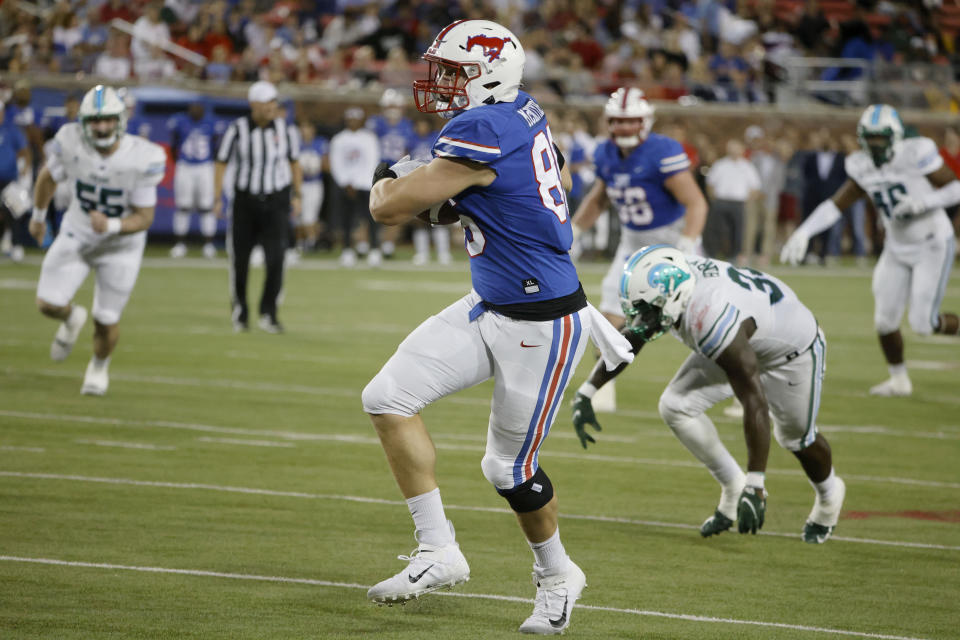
column 311, row 158
column 517, row 229
column 192, row 139
column 395, row 139
column 635, row 183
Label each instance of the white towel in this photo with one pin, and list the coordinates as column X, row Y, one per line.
column 614, row 348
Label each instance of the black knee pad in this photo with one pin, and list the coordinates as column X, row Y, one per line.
column 530, row 495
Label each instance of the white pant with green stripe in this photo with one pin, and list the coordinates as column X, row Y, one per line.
column 792, row 387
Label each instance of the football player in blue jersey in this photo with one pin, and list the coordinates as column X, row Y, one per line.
column 397, row 137
column 191, row 144
column 646, row 178
column 525, row 323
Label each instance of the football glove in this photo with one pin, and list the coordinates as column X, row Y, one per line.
column 583, row 415
column 382, row 171
column 795, row 249
column 750, row 510
column 907, row 209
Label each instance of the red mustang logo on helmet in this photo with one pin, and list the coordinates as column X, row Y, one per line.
column 491, row 46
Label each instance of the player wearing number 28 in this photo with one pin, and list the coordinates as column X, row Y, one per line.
column 910, row 186
column 751, row 337
column 525, row 323
column 113, row 176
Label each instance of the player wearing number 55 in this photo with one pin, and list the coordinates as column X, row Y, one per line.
column 751, row 337
column 910, row 186
column 113, row 176
column 525, row 323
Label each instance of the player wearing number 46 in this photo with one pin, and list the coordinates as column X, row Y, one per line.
column 525, row 323
column 751, row 337
column 646, row 178
column 113, row 176
column 910, row 187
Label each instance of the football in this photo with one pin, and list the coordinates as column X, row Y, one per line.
column 447, row 214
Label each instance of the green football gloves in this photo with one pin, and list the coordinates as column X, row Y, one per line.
column 751, row 509
column 583, row 415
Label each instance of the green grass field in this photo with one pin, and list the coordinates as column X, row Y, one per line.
column 230, row 486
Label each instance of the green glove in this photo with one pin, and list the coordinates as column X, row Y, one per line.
column 583, row 415
column 751, row 509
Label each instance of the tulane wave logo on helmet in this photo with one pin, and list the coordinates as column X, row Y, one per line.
column 666, row 278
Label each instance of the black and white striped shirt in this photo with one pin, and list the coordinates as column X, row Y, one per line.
column 261, row 155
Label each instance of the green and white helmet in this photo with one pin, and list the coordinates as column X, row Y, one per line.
column 655, row 289
column 881, row 123
column 99, row 104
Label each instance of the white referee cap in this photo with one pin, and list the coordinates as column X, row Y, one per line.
column 262, row 91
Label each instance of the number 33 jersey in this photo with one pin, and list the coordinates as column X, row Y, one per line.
column 725, row 296
column 516, row 229
column 904, row 176
column 635, row 184
column 112, row 184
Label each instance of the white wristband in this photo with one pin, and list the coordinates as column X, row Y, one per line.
column 113, row 226
column 38, row 215
column 587, row 389
column 755, row 479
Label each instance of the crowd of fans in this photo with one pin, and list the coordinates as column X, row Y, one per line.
column 716, row 50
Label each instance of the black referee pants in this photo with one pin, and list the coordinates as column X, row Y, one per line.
column 258, row 219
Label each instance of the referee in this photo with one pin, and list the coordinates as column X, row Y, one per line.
column 264, row 150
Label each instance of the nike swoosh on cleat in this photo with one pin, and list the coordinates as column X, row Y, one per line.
column 417, row 579
column 562, row 620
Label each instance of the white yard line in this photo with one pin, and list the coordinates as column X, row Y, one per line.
column 455, row 507
column 374, row 441
column 249, row 443
column 456, row 594
column 26, row 449
column 126, row 445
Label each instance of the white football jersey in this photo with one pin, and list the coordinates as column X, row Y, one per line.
column 112, row 184
column 725, row 296
column 904, row 176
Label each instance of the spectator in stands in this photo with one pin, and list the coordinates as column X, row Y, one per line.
column 116, row 10
column 811, row 28
column 68, row 33
column 731, row 183
column 93, row 39
column 347, row 28
column 219, row 68
column 114, row 63
column 156, row 66
column 725, row 61
column 149, row 31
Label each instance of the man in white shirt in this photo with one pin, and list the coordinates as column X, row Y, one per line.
column 114, row 63
column 354, row 154
column 731, row 183
column 149, row 31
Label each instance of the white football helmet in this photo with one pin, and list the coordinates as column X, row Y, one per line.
column 472, row 63
column 882, row 124
column 629, row 116
column 16, row 199
column 655, row 289
column 102, row 104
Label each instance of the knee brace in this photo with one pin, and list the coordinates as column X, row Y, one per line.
column 530, row 495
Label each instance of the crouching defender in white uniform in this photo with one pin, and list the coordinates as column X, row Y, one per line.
column 751, row 337
column 525, row 324
column 114, row 177
column 910, row 187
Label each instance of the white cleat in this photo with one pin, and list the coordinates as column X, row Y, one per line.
column 374, row 258
column 178, row 250
column 553, row 605
column 445, row 258
column 420, row 259
column 431, row 568
column 605, row 399
column 823, row 517
column 899, row 386
column 209, row 251
column 348, row 258
column 95, row 380
column 16, row 253
column 67, row 334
